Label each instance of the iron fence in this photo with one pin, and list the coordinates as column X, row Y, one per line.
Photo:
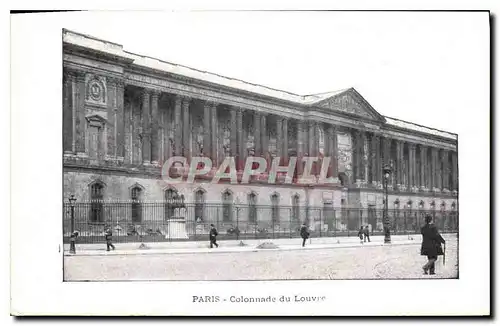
column 149, row 221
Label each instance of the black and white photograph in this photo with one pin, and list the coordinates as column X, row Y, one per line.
column 230, row 150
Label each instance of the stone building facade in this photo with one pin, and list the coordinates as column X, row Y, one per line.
column 125, row 114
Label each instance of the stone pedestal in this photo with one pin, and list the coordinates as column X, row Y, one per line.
column 176, row 228
column 177, row 225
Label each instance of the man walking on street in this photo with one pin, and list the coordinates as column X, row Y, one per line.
column 304, row 233
column 108, row 234
column 431, row 245
column 213, row 236
column 366, row 232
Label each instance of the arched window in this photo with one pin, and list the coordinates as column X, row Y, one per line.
column 96, row 197
column 252, row 208
column 227, row 206
column 296, row 208
column 169, row 197
column 275, row 210
column 199, row 205
column 136, row 197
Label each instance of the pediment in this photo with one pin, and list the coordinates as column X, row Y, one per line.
column 96, row 120
column 351, row 102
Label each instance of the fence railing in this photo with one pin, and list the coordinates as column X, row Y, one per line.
column 149, row 221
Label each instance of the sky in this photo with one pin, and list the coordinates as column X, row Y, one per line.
column 413, row 66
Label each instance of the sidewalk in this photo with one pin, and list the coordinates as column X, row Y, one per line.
column 228, row 246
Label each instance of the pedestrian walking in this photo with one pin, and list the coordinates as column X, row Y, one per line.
column 304, row 233
column 361, row 232
column 109, row 239
column 366, row 233
column 213, row 236
column 431, row 245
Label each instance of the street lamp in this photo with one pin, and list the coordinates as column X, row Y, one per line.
column 72, row 239
column 387, row 232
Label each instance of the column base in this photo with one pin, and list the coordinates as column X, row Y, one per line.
column 401, row 187
column 424, row 189
column 454, row 192
column 446, row 191
column 436, row 190
column 82, row 154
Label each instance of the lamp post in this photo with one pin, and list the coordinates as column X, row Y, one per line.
column 72, row 201
column 387, row 232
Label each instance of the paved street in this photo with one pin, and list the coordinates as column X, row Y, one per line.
column 375, row 262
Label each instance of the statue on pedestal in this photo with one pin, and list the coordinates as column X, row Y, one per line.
column 177, row 223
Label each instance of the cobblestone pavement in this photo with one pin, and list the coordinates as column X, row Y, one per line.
column 381, row 262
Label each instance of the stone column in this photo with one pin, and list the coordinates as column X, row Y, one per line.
column 215, row 127
column 375, row 155
column 399, row 165
column 386, row 151
column 412, row 162
column 68, row 116
column 155, row 148
column 121, row 120
column 285, row 141
column 300, row 146
column 333, row 151
column 207, row 139
column 279, row 138
column 257, row 134
column 79, row 96
column 111, row 119
column 423, row 168
column 233, row 134
column 146, row 130
column 378, row 160
column 178, row 149
column 445, row 172
column 434, row 169
column 186, row 128
column 313, row 141
column 241, row 143
column 454, row 171
column 263, row 135
column 358, row 156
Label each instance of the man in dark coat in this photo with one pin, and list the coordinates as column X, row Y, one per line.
column 213, row 236
column 366, row 232
column 431, row 245
column 109, row 234
column 304, row 233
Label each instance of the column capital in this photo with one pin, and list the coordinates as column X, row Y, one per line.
column 115, row 81
column 75, row 74
column 185, row 101
column 155, row 93
column 412, row 146
column 211, row 103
